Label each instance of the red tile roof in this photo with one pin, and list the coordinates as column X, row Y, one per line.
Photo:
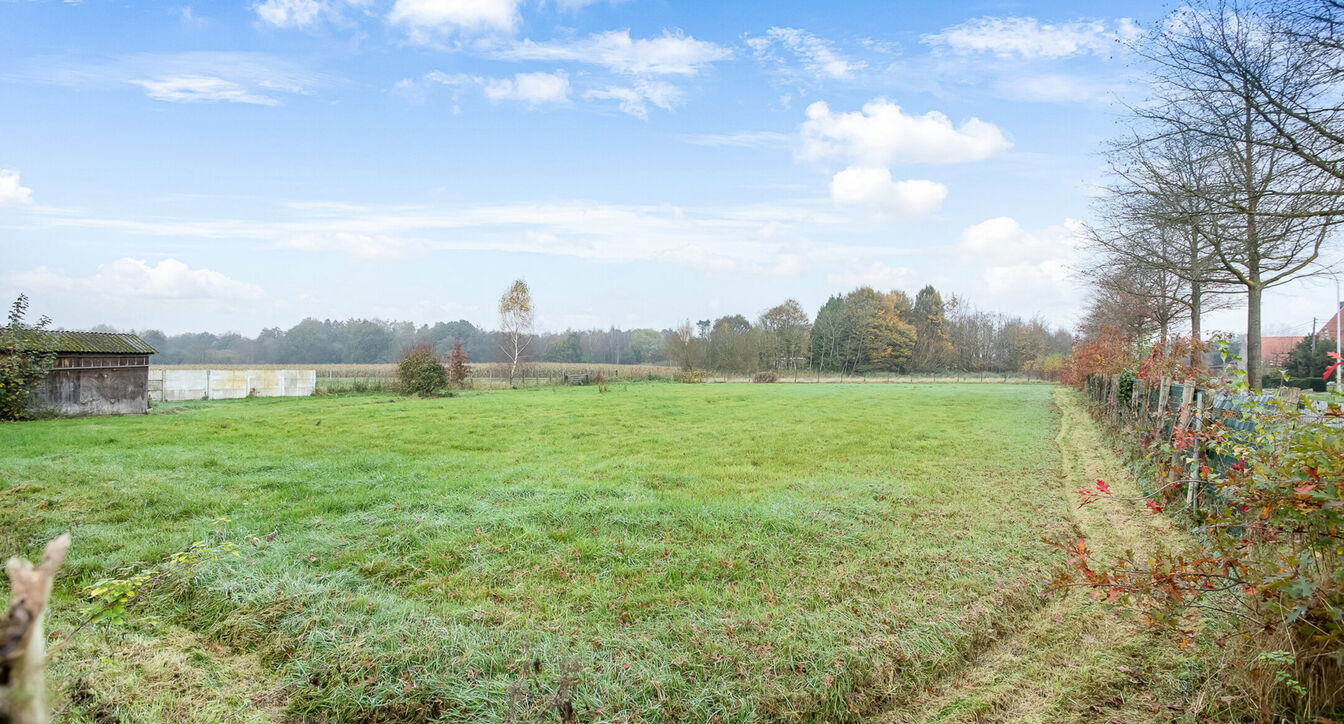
column 1275, row 350
column 1328, row 329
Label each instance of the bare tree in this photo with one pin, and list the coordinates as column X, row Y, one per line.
column 1297, row 92
column 787, row 330
column 681, row 344
column 1149, row 228
column 1252, row 203
column 516, row 318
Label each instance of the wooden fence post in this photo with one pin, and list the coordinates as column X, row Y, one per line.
column 1138, row 394
column 1182, row 420
column 23, row 697
column 1192, row 487
column 1163, row 401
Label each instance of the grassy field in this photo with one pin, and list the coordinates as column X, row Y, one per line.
column 657, row 553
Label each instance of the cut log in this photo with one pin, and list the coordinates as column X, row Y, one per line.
column 22, row 644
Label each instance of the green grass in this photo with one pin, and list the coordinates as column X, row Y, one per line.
column 675, row 552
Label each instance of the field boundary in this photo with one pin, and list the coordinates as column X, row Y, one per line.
column 1071, row 660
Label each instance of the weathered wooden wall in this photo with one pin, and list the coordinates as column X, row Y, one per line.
column 94, row 391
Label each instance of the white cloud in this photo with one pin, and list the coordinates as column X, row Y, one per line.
column 769, row 239
column 669, row 54
column 1003, row 241
column 198, row 88
column 816, row 55
column 530, row 88
column 636, row 99
column 472, row 16
column 170, row 279
column 740, row 139
column 874, row 189
column 534, row 89
column 11, row 191
column 876, row 274
column 1025, row 271
column 1056, row 88
column 288, row 13
column 882, row 134
column 365, row 246
column 1031, row 39
column 241, row 77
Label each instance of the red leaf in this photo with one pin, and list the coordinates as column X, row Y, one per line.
column 1154, row 507
column 1103, row 487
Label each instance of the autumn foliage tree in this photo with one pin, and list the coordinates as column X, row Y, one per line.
column 888, row 340
column 459, row 367
column 1107, row 352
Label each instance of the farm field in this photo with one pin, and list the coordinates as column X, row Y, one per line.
column 658, row 553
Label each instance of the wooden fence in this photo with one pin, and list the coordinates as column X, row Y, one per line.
column 1170, row 410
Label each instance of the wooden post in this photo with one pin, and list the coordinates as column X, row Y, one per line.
column 1182, row 420
column 1163, row 401
column 1192, row 487
column 23, row 697
column 1291, row 396
column 1139, row 393
column 1144, row 404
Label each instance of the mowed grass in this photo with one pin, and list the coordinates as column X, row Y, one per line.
column 657, row 553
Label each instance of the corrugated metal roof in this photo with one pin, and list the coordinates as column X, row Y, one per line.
column 88, row 342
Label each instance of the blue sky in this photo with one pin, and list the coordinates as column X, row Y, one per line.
column 234, row 166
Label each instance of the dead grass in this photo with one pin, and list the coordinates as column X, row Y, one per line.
column 170, row 675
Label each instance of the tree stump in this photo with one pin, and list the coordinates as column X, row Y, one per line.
column 22, row 644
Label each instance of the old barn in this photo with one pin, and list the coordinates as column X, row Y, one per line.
column 94, row 373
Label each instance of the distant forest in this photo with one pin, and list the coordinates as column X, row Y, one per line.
column 861, row 331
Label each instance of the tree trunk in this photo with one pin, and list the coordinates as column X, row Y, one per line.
column 513, row 361
column 1196, row 354
column 23, row 696
column 1253, row 365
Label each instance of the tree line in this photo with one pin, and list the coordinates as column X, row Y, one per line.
column 1226, row 180
column 863, row 331
column 868, row 331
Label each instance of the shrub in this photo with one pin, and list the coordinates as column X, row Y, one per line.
column 689, row 376
column 420, row 372
column 1264, row 572
column 23, row 362
column 765, row 377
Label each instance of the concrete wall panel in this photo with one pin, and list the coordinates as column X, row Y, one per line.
column 179, row 385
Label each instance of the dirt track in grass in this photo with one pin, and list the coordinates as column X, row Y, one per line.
column 1073, row 660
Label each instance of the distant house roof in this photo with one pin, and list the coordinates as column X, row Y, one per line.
column 1327, row 330
column 86, row 342
column 1275, row 350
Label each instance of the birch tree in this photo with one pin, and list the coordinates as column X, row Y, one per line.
column 516, row 319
